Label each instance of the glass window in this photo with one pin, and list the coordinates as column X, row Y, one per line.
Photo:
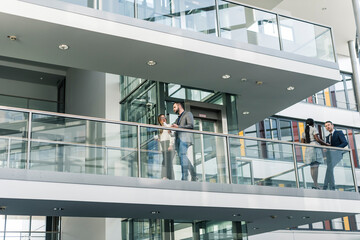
column 250, row 131
column 285, row 130
column 318, row 225
column 357, row 218
column 38, row 223
column 303, row 226
column 18, row 223
column 350, row 91
column 357, row 142
column 337, row 224
column 340, row 96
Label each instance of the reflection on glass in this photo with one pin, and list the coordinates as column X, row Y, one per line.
column 248, row 25
column 4, row 144
column 13, row 123
column 17, row 157
column 334, row 173
column 306, row 39
column 123, row 7
column 262, row 163
column 122, row 162
column 67, row 158
column 198, row 16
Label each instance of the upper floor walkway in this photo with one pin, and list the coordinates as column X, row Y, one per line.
column 78, row 166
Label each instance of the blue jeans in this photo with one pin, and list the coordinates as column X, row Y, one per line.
column 186, row 166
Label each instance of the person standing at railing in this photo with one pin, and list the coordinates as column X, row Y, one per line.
column 313, row 155
column 167, row 147
column 336, row 138
column 183, row 140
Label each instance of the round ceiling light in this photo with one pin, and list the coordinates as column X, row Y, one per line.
column 226, row 76
column 151, row 63
column 244, row 79
column 12, row 37
column 290, row 88
column 246, row 113
column 63, row 47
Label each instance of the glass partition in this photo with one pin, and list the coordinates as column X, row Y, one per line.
column 198, row 16
column 13, row 123
column 306, row 39
column 183, row 156
column 327, row 169
column 248, row 25
column 262, row 163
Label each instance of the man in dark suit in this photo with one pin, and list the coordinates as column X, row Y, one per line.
column 335, row 139
column 183, row 140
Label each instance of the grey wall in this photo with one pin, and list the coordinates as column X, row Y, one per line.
column 28, row 90
column 85, row 93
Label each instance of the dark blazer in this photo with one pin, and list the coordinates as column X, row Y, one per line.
column 338, row 139
column 186, row 121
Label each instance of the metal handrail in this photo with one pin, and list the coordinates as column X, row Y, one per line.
column 66, row 115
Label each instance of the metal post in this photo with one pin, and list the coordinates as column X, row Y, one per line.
column 295, row 167
column 135, row 9
column 217, row 18
column 8, row 153
column 355, row 68
column 353, row 171
column 356, row 8
column 106, row 161
column 28, row 143
column 138, row 151
column 279, row 32
column 228, row 158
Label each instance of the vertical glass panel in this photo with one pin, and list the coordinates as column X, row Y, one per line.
column 318, row 225
column 248, row 25
column 357, row 144
column 192, row 15
column 4, row 147
column 13, row 123
column 324, row 168
column 38, row 223
column 128, row 84
column 17, row 224
column 340, row 95
column 262, row 163
column 67, row 158
column 183, row 231
column 18, row 154
column 320, row 98
column 306, row 39
column 350, row 91
column 123, row 7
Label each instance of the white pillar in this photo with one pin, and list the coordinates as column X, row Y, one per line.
column 355, row 68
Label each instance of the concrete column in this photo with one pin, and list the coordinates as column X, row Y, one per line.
column 355, row 68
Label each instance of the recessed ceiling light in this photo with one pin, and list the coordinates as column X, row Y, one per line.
column 290, row 88
column 151, row 63
column 155, row 212
column 12, row 37
column 273, row 216
column 246, row 113
column 41, row 78
column 63, row 47
column 237, row 215
column 58, row 209
column 305, row 217
column 226, row 76
column 255, row 228
column 324, row 8
column 259, row 83
column 2, row 208
column 244, row 79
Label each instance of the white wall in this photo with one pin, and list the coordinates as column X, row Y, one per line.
column 28, row 90
column 85, row 93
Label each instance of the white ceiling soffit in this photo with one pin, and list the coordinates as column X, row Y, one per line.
column 107, row 46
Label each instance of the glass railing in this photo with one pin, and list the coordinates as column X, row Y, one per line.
column 55, row 142
column 230, row 20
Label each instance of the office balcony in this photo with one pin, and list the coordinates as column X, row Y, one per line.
column 269, row 60
column 67, row 165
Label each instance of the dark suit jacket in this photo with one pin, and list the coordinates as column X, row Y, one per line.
column 338, row 139
column 186, row 121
